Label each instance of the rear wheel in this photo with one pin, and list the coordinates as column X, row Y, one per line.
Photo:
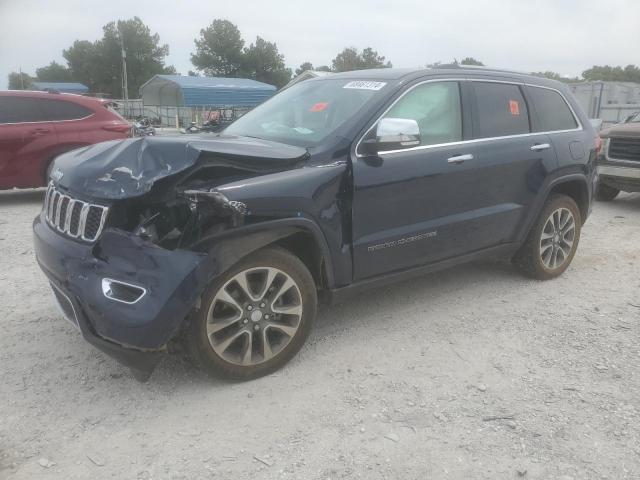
column 606, row 193
column 255, row 318
column 553, row 240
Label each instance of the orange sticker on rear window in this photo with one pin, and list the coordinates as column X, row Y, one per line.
column 514, row 106
column 318, row 107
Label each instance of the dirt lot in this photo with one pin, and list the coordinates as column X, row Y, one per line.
column 471, row 373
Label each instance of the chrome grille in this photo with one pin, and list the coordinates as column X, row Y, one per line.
column 624, row 149
column 73, row 217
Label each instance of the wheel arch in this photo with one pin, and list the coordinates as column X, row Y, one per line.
column 300, row 236
column 575, row 187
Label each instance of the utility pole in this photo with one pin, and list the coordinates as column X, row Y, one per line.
column 21, row 78
column 125, row 85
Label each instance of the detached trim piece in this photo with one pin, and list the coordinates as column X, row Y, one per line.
column 74, row 218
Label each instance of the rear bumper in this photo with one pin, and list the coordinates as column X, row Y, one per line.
column 132, row 333
column 621, row 177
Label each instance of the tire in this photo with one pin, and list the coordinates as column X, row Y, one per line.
column 550, row 236
column 606, row 193
column 254, row 318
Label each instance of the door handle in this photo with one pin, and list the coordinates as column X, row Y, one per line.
column 458, row 159
column 540, row 146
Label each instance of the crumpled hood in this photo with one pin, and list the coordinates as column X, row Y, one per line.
column 129, row 168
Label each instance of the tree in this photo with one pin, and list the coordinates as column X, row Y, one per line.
column 99, row 64
column 144, row 53
column 471, row 61
column 350, row 59
column 630, row 73
column 555, row 76
column 303, row 68
column 219, row 49
column 82, row 59
column 54, row 72
column 19, row 81
column 262, row 62
column 370, row 59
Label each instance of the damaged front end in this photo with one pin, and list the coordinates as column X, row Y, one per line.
column 130, row 288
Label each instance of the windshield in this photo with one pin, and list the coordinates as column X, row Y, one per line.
column 308, row 112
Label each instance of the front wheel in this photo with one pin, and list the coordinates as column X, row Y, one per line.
column 255, row 318
column 553, row 240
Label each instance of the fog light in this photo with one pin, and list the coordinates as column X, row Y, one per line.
column 122, row 291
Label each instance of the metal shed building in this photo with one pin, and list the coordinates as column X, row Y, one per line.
column 182, row 91
column 63, row 87
column 181, row 99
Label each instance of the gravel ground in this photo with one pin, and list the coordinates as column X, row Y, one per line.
column 471, row 373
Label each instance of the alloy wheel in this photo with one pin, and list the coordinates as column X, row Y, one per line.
column 254, row 316
column 556, row 241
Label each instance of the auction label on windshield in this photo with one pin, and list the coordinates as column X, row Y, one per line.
column 365, row 85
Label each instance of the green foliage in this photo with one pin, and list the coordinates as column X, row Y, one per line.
column 464, row 61
column 630, row 73
column 262, row 62
column 303, row 68
column 220, row 52
column 556, row 76
column 99, row 64
column 471, row 61
column 350, row 59
column 54, row 72
column 19, row 81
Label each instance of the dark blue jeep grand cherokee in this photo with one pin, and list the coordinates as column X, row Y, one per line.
column 223, row 244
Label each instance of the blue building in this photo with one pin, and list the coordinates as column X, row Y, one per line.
column 179, row 100
column 183, row 91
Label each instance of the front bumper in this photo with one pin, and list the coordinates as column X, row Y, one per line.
column 134, row 334
column 625, row 178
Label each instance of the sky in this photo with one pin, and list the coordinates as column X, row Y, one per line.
column 565, row 36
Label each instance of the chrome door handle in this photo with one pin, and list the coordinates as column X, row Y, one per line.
column 460, row 158
column 540, row 146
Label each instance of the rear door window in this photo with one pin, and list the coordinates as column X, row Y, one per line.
column 57, row 110
column 500, row 110
column 552, row 110
column 20, row 110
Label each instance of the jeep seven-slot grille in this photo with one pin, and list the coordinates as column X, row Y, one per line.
column 73, row 217
column 624, row 149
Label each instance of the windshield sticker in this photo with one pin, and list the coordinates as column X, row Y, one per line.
column 365, row 85
column 318, row 107
column 303, row 130
column 514, row 107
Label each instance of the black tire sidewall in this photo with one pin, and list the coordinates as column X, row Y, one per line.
column 198, row 346
column 606, row 193
column 528, row 257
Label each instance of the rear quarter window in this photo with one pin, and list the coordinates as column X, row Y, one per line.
column 20, row 110
column 56, row 110
column 501, row 110
column 552, row 110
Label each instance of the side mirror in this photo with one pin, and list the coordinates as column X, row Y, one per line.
column 392, row 134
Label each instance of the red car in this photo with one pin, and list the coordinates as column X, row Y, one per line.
column 35, row 127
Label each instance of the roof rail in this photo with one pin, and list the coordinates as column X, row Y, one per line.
column 483, row 67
